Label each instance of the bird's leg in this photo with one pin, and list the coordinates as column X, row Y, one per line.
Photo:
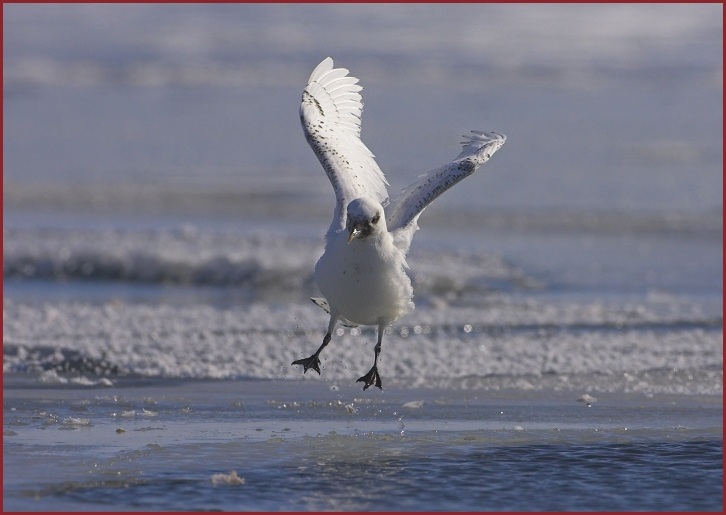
column 313, row 361
column 372, row 377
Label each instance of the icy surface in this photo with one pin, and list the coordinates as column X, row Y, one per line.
column 507, row 343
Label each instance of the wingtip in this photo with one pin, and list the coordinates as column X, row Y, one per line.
column 321, row 69
column 481, row 136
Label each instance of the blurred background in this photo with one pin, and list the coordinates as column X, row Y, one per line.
column 162, row 215
column 163, row 115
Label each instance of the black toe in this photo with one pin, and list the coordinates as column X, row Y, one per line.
column 371, row 378
column 311, row 362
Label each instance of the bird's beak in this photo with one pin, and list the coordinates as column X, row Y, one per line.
column 354, row 233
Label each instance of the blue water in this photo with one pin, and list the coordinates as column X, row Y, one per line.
column 162, row 215
column 653, row 476
column 303, row 448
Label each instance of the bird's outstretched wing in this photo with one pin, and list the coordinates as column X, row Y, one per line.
column 330, row 114
column 406, row 208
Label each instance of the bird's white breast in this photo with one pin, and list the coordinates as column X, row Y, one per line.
column 364, row 280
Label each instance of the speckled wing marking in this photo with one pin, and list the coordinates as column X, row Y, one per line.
column 407, row 207
column 330, row 114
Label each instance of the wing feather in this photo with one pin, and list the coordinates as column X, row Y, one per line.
column 330, row 114
column 407, row 207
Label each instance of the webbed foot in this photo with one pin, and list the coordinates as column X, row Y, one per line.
column 371, row 378
column 311, row 362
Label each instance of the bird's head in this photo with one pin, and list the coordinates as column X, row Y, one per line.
column 365, row 218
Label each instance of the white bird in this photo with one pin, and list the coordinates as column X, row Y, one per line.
column 362, row 272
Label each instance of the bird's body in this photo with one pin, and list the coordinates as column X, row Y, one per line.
column 365, row 280
column 362, row 272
